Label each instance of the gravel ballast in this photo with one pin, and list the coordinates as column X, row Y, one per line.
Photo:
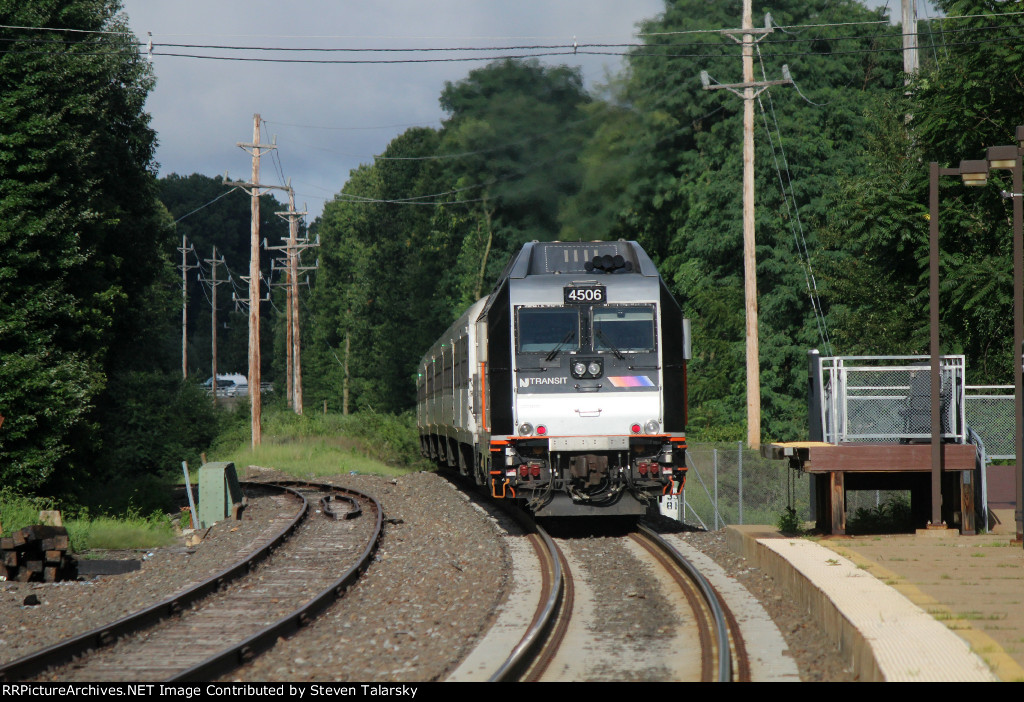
column 432, row 591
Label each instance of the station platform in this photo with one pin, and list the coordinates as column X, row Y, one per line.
column 936, row 606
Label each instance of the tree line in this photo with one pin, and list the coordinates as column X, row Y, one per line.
column 91, row 301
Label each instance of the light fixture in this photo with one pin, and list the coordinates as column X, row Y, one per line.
column 974, row 172
column 1002, row 156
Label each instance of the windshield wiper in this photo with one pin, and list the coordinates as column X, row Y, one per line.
column 610, row 345
column 558, row 349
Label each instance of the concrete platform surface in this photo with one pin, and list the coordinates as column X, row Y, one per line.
column 904, row 607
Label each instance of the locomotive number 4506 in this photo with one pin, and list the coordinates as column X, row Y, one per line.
column 584, row 295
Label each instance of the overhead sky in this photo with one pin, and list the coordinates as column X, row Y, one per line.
column 330, row 117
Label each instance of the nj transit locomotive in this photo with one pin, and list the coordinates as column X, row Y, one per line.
column 565, row 388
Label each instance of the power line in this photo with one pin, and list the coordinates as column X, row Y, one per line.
column 548, row 47
column 206, row 205
column 66, row 29
column 716, row 31
column 343, row 197
column 587, row 49
column 369, row 61
column 316, row 126
column 629, row 54
column 801, row 243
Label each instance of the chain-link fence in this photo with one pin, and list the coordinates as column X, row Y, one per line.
column 990, row 413
column 888, row 398
column 728, row 484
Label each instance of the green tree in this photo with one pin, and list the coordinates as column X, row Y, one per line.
column 79, row 227
column 512, row 139
column 680, row 147
column 967, row 96
column 420, row 234
column 373, row 307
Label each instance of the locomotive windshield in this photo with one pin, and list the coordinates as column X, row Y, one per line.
column 545, row 329
column 629, row 329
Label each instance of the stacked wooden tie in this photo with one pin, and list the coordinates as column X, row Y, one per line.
column 37, row 552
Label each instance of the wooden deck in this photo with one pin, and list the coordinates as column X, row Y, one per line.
column 863, row 466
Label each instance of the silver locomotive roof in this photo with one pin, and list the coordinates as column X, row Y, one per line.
column 559, row 257
column 548, row 265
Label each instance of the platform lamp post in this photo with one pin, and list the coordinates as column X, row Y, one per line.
column 1012, row 158
column 971, row 173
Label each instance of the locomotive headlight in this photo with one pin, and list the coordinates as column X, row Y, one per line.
column 594, row 368
column 579, row 368
column 652, row 426
column 525, row 429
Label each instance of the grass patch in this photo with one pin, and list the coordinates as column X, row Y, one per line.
column 130, row 531
column 312, row 457
column 317, row 444
column 17, row 511
column 113, row 533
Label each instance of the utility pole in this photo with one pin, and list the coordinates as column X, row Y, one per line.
column 255, row 397
column 293, row 248
column 293, row 279
column 214, row 262
column 909, row 29
column 344, row 392
column 287, row 285
column 185, row 249
column 253, row 186
column 751, row 89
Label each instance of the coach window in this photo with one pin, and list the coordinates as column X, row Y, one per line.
column 544, row 329
column 627, row 329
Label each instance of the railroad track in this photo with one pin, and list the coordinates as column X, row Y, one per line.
column 538, row 654
column 534, row 651
column 725, row 656
column 226, row 620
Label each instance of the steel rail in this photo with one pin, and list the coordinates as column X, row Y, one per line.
column 721, row 624
column 327, row 507
column 229, row 658
column 243, row 652
column 64, row 651
column 544, row 630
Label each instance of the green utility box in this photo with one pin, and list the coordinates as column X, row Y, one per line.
column 219, row 493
